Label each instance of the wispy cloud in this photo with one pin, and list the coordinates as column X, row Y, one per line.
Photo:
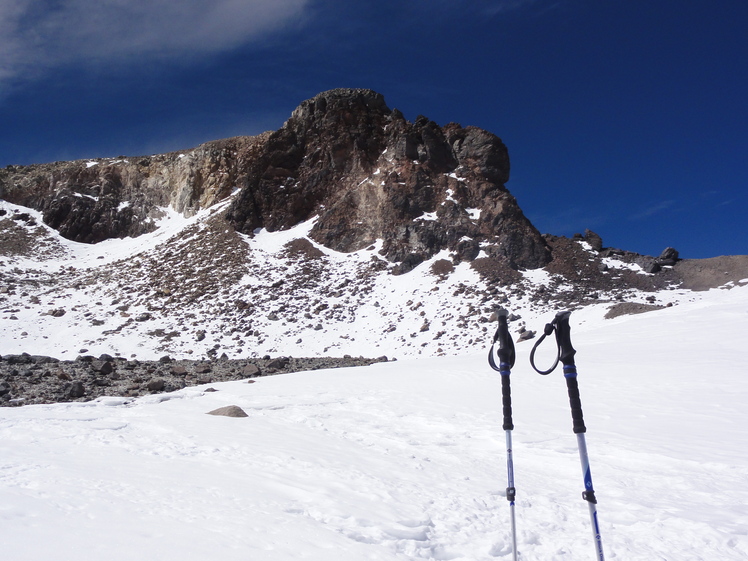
column 653, row 209
column 40, row 34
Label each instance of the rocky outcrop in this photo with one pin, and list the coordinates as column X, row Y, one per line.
column 93, row 200
column 369, row 174
column 344, row 157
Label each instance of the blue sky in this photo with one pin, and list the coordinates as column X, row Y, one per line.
column 628, row 117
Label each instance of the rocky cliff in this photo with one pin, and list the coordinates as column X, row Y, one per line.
column 344, row 157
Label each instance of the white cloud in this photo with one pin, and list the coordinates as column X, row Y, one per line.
column 40, row 34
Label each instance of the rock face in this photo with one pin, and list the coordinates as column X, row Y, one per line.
column 369, row 174
column 90, row 201
column 344, row 157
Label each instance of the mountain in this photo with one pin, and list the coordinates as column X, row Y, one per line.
column 349, row 230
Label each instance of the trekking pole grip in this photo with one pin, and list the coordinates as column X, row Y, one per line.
column 574, row 400
column 506, row 401
column 566, row 354
column 506, row 361
column 563, row 338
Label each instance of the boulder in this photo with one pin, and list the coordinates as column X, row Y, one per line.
column 229, row 411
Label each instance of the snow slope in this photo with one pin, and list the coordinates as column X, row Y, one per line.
column 175, row 292
column 405, row 460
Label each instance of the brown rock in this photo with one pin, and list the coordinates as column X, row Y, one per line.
column 229, row 411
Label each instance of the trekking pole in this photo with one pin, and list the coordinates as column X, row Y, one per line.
column 506, row 361
column 566, row 352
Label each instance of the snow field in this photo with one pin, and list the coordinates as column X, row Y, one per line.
column 405, row 460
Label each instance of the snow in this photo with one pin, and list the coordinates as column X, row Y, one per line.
column 405, row 460
column 427, row 216
column 474, row 213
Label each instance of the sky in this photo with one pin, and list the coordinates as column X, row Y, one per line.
column 627, row 117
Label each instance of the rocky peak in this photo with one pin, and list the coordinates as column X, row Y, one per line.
column 363, row 170
column 367, row 174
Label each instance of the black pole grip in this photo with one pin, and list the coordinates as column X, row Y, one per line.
column 506, row 345
column 576, row 403
column 563, row 337
column 506, row 401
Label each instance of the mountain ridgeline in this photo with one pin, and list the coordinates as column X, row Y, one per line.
column 344, row 157
column 366, row 175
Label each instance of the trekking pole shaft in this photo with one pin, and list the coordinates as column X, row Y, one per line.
column 510, row 492
column 506, row 398
column 566, row 355
column 589, row 496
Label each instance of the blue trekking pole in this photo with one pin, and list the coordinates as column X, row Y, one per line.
column 566, row 352
column 506, row 361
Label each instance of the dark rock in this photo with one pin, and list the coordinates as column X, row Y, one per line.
column 23, row 358
column 102, row 366
column 526, row 335
column 39, row 359
column 76, row 389
column 669, row 253
column 278, row 363
column 595, row 241
column 668, row 257
column 156, row 385
column 652, row 267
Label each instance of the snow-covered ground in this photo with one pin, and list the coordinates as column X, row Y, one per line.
column 405, row 460
column 174, row 292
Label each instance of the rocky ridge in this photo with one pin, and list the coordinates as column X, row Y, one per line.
column 343, row 156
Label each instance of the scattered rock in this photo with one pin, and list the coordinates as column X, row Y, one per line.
column 625, row 308
column 157, row 385
column 278, row 363
column 250, row 371
column 102, row 367
column 526, row 335
column 76, row 390
column 229, row 411
column 595, row 241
